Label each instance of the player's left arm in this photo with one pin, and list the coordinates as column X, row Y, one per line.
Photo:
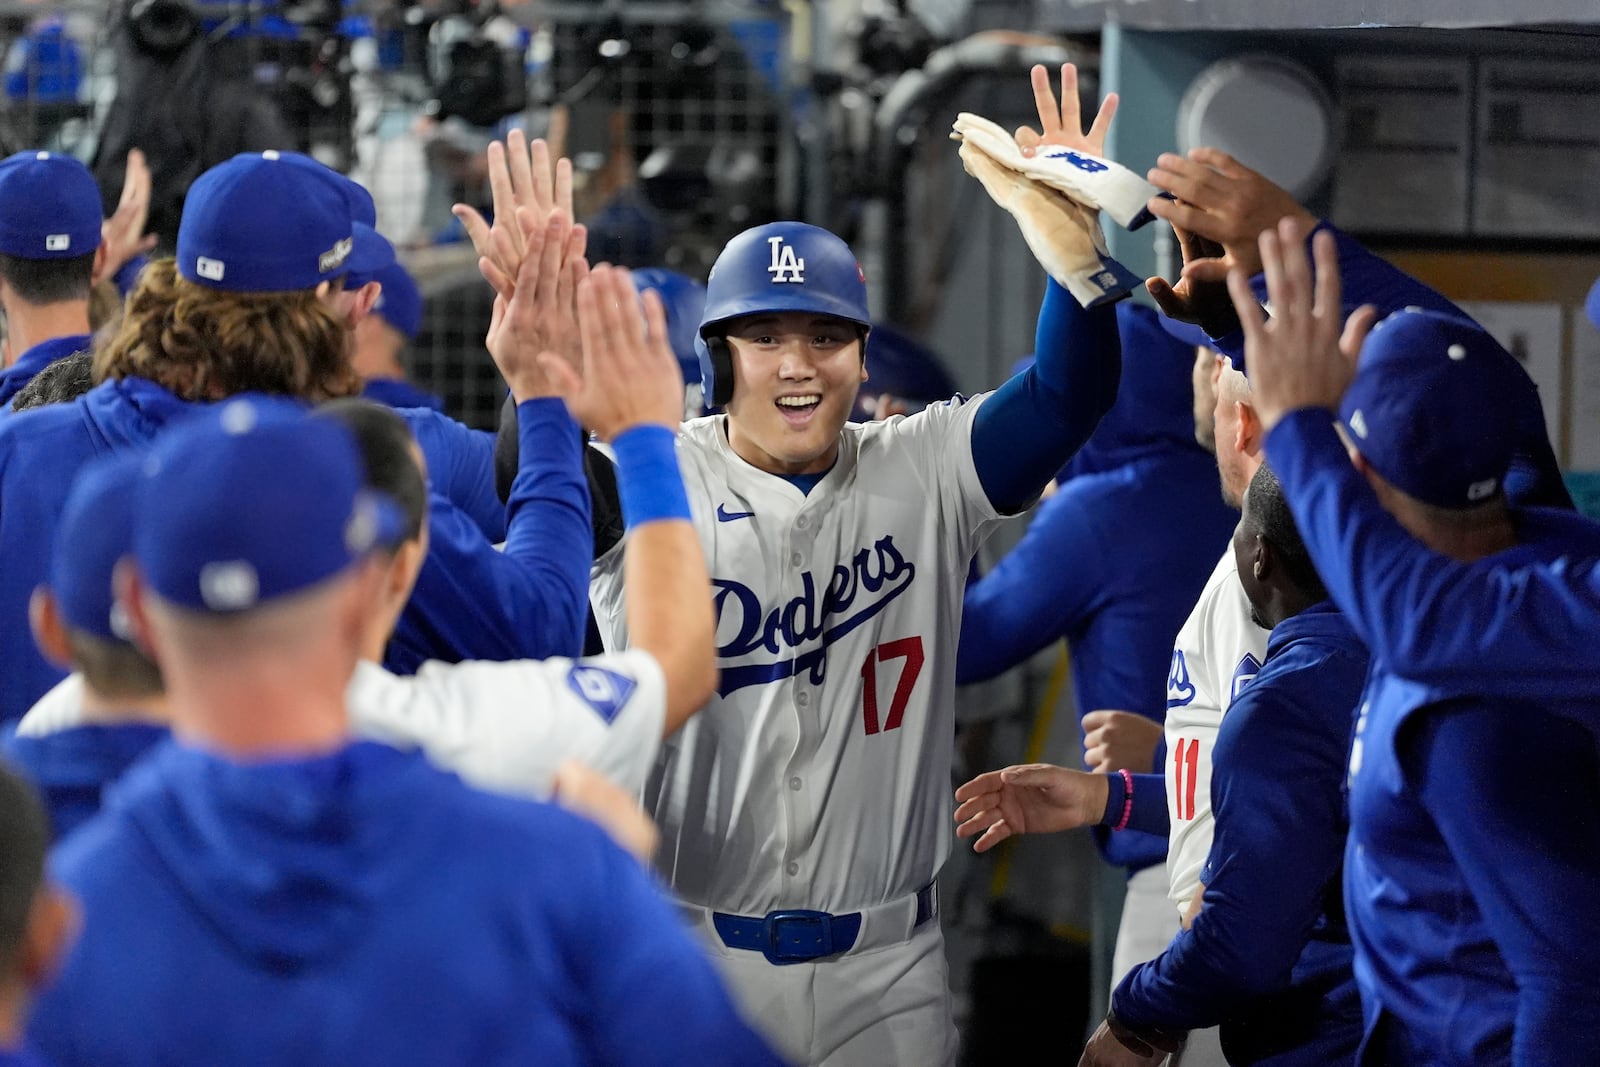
column 1274, row 854
column 1515, row 793
column 1031, row 425
column 460, row 467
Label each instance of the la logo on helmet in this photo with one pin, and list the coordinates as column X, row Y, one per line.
column 785, row 265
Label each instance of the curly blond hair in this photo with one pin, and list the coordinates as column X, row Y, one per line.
column 205, row 344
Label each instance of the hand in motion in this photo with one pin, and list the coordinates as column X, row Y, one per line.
column 1062, row 123
column 537, row 316
column 1192, row 298
column 1113, row 1045
column 1222, row 201
column 123, row 233
column 628, row 375
column 1032, row 798
column 1305, row 354
column 527, row 188
column 1120, row 740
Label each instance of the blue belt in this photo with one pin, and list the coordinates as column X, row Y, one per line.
column 796, row 935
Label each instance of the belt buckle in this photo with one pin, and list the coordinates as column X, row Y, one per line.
column 818, row 921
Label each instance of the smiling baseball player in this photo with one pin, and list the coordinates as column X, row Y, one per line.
column 803, row 813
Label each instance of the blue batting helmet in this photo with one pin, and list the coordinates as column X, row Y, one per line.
column 782, row 266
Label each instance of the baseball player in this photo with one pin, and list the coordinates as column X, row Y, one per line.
column 1466, row 876
column 265, row 862
column 51, row 251
column 803, row 812
column 381, row 339
column 37, row 919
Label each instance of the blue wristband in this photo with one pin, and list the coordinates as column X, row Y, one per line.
column 649, row 481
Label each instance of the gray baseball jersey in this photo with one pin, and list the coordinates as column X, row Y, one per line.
column 1217, row 652
column 819, row 774
column 501, row 726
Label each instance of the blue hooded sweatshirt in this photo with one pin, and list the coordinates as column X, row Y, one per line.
column 71, row 768
column 16, row 377
column 1471, row 864
column 365, row 908
column 1114, row 560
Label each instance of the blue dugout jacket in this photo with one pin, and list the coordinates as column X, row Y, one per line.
column 1474, row 781
column 365, row 908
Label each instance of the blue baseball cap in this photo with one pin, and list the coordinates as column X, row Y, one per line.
column 1427, row 407
column 253, row 500
column 49, row 207
column 273, row 221
column 400, row 302
column 95, row 531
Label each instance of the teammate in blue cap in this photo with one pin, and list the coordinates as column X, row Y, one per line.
column 1467, row 872
column 903, row 375
column 52, row 249
column 265, row 858
column 381, row 339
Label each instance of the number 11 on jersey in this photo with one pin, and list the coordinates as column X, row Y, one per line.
column 908, row 649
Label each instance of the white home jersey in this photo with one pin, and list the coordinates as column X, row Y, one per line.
column 818, row 776
column 501, row 726
column 1217, row 652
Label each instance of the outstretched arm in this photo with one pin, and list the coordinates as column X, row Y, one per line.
column 1036, row 421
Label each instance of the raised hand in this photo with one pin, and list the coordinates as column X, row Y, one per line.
column 123, row 233
column 535, row 315
column 526, row 187
column 1032, row 798
column 1193, row 298
column 1061, row 123
column 1305, row 354
column 628, row 375
column 1120, row 740
column 1221, row 200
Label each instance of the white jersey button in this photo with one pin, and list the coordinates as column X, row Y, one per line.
column 802, row 522
column 793, row 868
column 796, row 560
column 802, row 699
column 794, row 783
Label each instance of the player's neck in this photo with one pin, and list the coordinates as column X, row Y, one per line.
column 101, row 709
column 28, row 325
column 747, row 449
column 261, row 707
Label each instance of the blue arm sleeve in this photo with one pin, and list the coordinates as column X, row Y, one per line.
column 1514, row 793
column 1274, row 856
column 460, row 467
column 1149, row 802
column 1029, row 600
column 1033, row 424
column 1431, row 617
column 530, row 601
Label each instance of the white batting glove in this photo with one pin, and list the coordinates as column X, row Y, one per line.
column 1065, row 236
column 1092, row 180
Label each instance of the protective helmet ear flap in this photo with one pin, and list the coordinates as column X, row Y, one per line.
column 716, row 371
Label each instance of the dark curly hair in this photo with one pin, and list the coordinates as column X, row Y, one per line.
column 205, row 344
